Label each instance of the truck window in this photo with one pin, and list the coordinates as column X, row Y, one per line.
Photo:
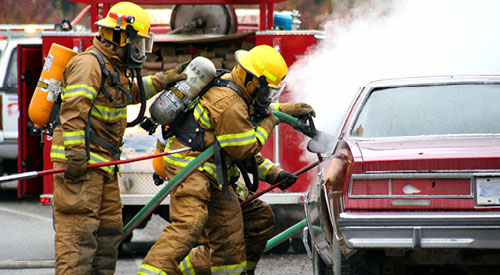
column 10, row 84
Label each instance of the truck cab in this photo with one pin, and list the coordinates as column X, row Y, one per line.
column 10, row 37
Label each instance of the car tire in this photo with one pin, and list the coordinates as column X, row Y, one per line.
column 359, row 264
column 319, row 266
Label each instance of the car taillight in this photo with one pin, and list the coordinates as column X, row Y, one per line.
column 370, row 187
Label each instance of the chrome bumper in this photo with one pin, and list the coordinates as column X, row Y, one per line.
column 420, row 230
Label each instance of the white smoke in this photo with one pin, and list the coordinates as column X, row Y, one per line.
column 387, row 39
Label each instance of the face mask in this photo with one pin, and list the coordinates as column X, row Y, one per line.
column 136, row 49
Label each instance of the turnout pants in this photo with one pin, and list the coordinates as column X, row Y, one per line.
column 198, row 206
column 88, row 223
column 258, row 222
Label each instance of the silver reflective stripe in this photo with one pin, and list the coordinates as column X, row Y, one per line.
column 148, row 86
column 109, row 114
column 261, row 134
column 264, row 168
column 185, row 267
column 230, row 271
column 142, row 270
column 236, row 141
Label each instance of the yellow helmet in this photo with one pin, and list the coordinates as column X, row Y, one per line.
column 263, row 60
column 122, row 14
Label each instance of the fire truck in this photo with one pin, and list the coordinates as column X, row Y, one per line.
column 209, row 28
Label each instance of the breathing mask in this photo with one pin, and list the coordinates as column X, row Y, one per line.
column 264, row 95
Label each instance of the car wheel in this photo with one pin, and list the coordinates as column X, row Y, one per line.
column 361, row 264
column 319, row 266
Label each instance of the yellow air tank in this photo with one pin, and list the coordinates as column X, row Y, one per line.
column 48, row 86
column 158, row 161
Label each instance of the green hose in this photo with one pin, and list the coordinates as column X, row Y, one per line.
column 285, row 235
column 288, row 119
column 163, row 193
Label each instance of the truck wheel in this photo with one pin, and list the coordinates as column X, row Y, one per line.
column 319, row 266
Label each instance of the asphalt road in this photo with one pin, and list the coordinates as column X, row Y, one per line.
column 26, row 239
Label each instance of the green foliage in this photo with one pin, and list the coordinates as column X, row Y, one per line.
column 37, row 11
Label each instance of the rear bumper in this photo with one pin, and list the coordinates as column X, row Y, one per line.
column 420, row 230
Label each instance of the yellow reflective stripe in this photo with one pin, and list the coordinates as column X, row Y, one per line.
column 178, row 160
column 261, row 134
column 146, row 269
column 74, row 137
column 239, row 139
column 186, row 267
column 229, row 269
column 201, row 115
column 57, row 151
column 78, row 90
column 275, row 106
column 265, row 72
column 251, row 265
column 108, row 113
column 240, row 189
column 264, row 168
column 149, row 87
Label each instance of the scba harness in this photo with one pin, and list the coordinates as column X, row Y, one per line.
column 188, row 131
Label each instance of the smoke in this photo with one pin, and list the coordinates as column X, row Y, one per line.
column 387, row 39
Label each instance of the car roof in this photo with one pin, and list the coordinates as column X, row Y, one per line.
column 442, row 79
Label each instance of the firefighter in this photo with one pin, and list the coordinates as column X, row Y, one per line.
column 236, row 120
column 258, row 217
column 97, row 85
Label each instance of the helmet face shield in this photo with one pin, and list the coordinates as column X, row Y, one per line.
column 276, row 92
column 138, row 47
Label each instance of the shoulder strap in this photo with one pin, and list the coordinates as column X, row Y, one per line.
column 105, row 73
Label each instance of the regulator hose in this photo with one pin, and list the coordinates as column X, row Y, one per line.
column 142, row 111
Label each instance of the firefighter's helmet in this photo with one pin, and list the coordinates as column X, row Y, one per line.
column 120, row 16
column 263, row 60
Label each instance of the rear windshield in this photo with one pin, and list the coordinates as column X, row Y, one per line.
column 430, row 110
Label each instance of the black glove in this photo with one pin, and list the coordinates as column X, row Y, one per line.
column 287, row 179
column 76, row 165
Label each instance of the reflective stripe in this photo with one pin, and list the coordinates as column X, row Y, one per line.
column 240, row 189
column 265, row 72
column 186, row 267
column 178, row 160
column 146, row 269
column 75, row 137
column 261, row 134
column 275, row 106
column 149, row 87
column 264, row 168
column 78, row 90
column 251, row 265
column 239, row 139
column 201, row 116
column 109, row 114
column 229, row 269
column 58, row 152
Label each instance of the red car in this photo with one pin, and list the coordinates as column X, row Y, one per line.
column 414, row 179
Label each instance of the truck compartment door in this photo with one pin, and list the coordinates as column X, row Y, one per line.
column 30, row 151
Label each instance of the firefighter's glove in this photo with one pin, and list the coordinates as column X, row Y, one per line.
column 299, row 110
column 76, row 166
column 174, row 75
column 287, row 179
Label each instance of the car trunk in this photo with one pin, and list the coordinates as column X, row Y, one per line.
column 442, row 173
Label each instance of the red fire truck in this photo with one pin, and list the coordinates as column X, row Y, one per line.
column 177, row 41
